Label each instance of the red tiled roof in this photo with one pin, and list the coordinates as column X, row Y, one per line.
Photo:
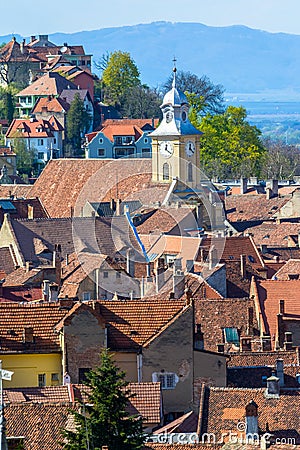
column 224, row 408
column 231, row 249
column 66, row 184
column 215, row 315
column 41, row 317
column 275, row 234
column 6, row 151
column 25, row 128
column 290, row 269
column 270, row 292
column 166, row 220
column 253, row 207
column 134, row 322
column 40, row 424
column 110, row 131
column 53, row 105
column 146, row 401
column 52, row 83
column 138, row 122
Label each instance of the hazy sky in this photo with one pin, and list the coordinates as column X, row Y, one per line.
column 33, row 17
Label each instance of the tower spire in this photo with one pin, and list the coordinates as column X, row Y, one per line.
column 174, row 71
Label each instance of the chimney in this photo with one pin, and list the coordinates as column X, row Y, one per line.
column 288, row 340
column 32, row 38
column 212, row 257
column 266, row 343
column 252, row 421
column 160, row 274
column 28, row 337
column 220, row 348
column 178, row 278
column 268, row 193
column 244, row 182
column 130, row 262
column 243, row 266
column 22, row 45
column 274, row 187
column 29, row 211
column 273, row 389
column 246, row 344
column 281, row 306
column 190, row 265
column 279, row 371
column 28, row 266
column 118, row 207
column 250, row 321
column 253, row 181
column 198, row 338
column 46, row 290
column 264, row 249
column 112, row 204
column 67, row 258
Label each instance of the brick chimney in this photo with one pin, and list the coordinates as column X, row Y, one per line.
column 160, row 274
column 243, row 266
column 279, row 371
column 252, row 420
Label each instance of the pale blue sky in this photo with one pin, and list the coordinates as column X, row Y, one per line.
column 33, row 17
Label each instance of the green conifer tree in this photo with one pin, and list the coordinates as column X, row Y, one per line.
column 104, row 419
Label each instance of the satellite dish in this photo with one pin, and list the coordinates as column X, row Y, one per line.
column 64, row 49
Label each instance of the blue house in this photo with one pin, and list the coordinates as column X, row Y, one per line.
column 121, row 138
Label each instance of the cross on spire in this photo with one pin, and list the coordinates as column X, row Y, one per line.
column 174, row 71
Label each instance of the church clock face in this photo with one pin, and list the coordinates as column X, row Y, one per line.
column 190, row 148
column 166, row 149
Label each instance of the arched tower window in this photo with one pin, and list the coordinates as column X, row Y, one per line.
column 190, row 172
column 166, row 171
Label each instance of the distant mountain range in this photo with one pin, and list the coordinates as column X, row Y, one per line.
column 242, row 59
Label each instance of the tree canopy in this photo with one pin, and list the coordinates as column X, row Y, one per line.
column 104, row 419
column 203, row 96
column 78, row 122
column 119, row 75
column 230, row 146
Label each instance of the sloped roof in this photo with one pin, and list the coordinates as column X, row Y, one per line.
column 40, row 424
column 110, row 131
column 253, row 207
column 289, row 269
column 41, row 317
column 274, row 234
column 140, row 123
column 53, row 105
column 225, row 408
column 270, row 292
column 134, row 322
column 215, row 315
column 26, row 128
column 52, row 83
column 166, row 220
column 232, row 249
column 91, row 236
column 67, row 184
column 68, row 95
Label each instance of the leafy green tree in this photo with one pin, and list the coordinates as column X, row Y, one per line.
column 7, row 101
column 78, row 122
column 104, row 419
column 230, row 146
column 25, row 158
column 203, row 96
column 120, row 74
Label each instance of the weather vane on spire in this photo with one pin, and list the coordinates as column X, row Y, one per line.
column 174, row 71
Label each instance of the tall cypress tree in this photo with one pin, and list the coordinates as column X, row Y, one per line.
column 78, row 122
column 104, row 419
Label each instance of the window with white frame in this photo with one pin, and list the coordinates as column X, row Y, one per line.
column 168, row 380
column 40, row 155
column 86, row 296
column 40, row 141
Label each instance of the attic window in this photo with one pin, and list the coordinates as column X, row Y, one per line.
column 251, row 259
column 231, row 336
column 230, row 257
column 267, row 236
